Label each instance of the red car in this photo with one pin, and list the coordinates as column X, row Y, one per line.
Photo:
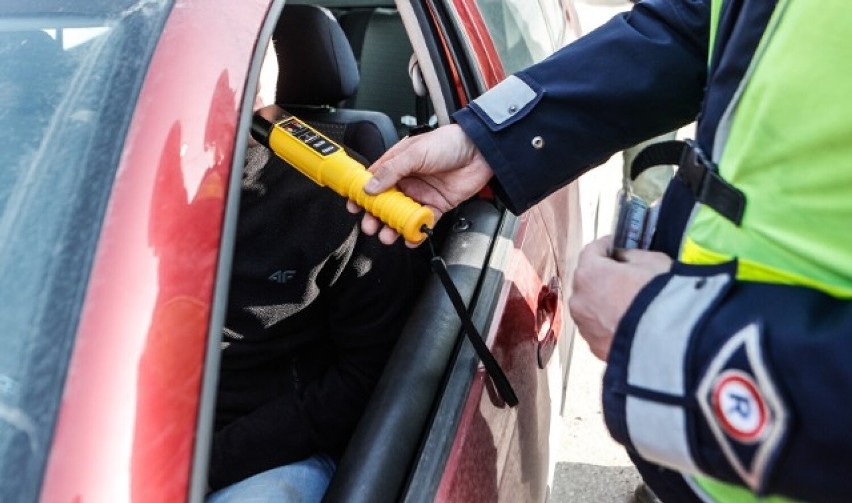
column 123, row 126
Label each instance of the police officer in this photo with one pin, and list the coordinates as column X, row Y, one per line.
column 728, row 345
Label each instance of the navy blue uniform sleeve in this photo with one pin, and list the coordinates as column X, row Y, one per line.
column 749, row 384
column 639, row 75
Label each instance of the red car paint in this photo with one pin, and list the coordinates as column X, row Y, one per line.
column 126, row 427
column 488, row 61
column 502, row 453
column 480, row 466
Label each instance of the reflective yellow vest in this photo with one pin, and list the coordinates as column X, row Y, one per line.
column 788, row 146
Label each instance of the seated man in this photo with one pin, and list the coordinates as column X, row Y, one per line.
column 315, row 308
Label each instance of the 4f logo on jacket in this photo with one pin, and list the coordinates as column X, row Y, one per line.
column 282, row 276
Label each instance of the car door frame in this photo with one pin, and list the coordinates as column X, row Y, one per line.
column 424, row 430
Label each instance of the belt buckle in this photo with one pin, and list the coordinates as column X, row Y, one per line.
column 693, row 168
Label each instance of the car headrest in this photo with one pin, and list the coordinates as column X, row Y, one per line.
column 315, row 61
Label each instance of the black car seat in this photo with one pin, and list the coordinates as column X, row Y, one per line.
column 384, row 54
column 317, row 72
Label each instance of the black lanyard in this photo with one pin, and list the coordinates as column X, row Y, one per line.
column 498, row 377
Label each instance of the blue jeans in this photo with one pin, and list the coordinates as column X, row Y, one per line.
column 300, row 482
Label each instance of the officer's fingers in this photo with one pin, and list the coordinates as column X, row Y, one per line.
column 352, row 207
column 412, row 156
column 649, row 260
column 381, row 181
column 370, row 225
column 387, row 235
column 388, row 170
column 600, row 247
column 593, row 267
column 594, row 252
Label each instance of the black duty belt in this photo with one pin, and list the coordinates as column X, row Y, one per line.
column 697, row 172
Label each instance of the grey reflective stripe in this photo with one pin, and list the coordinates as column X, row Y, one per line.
column 506, row 99
column 658, row 432
column 662, row 335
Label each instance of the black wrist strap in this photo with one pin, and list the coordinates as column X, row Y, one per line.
column 697, row 172
column 498, row 377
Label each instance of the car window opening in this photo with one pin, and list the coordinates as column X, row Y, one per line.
column 320, row 91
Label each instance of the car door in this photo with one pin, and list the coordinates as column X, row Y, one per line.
column 500, row 453
column 137, row 402
column 436, row 429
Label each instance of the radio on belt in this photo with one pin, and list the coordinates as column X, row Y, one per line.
column 328, row 165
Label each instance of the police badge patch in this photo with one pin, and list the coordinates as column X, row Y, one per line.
column 743, row 408
column 739, row 407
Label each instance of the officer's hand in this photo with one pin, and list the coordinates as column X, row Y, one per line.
column 604, row 288
column 440, row 169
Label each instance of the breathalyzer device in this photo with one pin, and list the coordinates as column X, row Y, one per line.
column 328, row 165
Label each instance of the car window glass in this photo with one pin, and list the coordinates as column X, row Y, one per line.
column 519, row 31
column 556, row 21
column 69, row 75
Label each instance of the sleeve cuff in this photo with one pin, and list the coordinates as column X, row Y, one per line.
column 504, row 183
column 646, row 393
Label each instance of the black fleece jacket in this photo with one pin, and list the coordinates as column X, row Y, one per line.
column 315, row 308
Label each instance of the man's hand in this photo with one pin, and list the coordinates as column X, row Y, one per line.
column 604, row 288
column 440, row 169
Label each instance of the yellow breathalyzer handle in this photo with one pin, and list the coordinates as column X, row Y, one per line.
column 327, row 164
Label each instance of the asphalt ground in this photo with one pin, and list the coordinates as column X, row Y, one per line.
column 591, row 467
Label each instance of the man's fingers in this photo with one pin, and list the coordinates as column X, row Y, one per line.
column 386, row 173
column 600, row 247
column 654, row 261
column 352, row 207
column 595, row 251
column 628, row 255
column 376, row 185
column 387, row 235
column 370, row 225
